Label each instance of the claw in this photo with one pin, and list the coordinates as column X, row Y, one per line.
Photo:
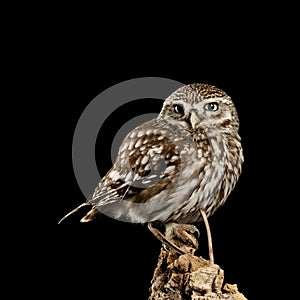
column 186, row 233
column 163, row 239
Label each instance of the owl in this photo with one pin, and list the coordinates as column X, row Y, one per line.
column 179, row 167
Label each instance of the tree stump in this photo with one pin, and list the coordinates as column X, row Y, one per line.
column 186, row 276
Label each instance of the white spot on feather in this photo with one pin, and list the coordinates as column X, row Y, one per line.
column 128, row 177
column 123, row 155
column 169, row 169
column 145, row 160
column 143, row 148
column 152, row 176
column 141, row 133
column 157, row 157
column 133, row 134
column 114, row 175
column 200, row 152
column 177, row 139
column 151, row 152
column 138, row 143
column 149, row 131
column 159, row 150
column 174, row 158
column 146, row 181
column 131, row 152
column 138, row 161
column 124, row 147
column 131, row 144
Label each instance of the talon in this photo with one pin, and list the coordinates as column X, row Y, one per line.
column 165, row 247
column 164, row 240
column 196, row 233
column 188, row 240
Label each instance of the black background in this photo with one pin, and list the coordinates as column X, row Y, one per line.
column 256, row 64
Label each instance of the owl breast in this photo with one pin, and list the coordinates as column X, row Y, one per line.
column 219, row 163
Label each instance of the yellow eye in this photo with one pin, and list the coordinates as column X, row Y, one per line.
column 212, row 106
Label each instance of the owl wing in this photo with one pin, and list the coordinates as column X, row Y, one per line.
column 147, row 162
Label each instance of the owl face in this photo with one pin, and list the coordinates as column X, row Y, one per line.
column 197, row 107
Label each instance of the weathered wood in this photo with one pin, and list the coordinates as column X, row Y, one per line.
column 186, row 276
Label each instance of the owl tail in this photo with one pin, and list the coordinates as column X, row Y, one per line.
column 73, row 211
column 91, row 215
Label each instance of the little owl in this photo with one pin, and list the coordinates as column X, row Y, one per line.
column 179, row 167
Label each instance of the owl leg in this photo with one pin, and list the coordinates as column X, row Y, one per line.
column 210, row 247
column 187, row 233
column 163, row 239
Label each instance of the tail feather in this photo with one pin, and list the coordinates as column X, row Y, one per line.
column 73, row 211
column 91, row 215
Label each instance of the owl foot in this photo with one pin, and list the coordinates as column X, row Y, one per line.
column 188, row 234
column 164, row 240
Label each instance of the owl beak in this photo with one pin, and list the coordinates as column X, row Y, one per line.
column 194, row 120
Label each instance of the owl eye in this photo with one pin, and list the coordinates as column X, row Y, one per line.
column 178, row 109
column 212, row 106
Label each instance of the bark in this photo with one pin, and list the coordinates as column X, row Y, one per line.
column 186, row 276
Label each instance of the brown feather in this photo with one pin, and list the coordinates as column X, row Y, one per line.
column 91, row 215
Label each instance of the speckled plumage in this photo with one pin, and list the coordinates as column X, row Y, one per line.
column 168, row 169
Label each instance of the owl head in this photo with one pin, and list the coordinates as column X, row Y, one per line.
column 197, row 107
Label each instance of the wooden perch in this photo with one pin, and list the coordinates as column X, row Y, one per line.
column 186, row 276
